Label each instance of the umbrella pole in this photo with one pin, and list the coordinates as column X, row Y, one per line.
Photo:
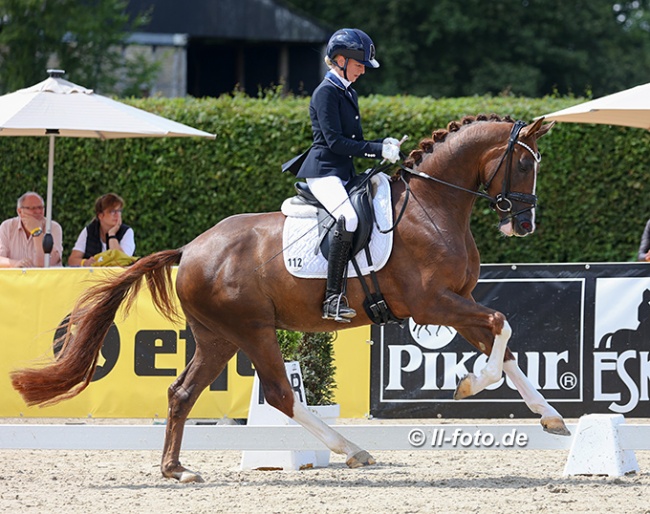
column 47, row 239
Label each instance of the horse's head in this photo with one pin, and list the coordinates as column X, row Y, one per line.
column 511, row 177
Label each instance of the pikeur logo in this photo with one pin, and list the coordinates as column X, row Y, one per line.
column 433, row 364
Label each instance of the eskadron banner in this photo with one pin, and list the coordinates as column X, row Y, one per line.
column 141, row 356
column 581, row 333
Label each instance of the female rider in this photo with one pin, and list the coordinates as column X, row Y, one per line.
column 338, row 137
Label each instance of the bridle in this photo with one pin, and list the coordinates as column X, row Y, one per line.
column 504, row 200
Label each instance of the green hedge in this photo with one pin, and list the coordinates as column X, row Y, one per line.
column 593, row 196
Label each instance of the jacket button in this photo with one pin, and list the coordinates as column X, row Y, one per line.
column 356, row 117
column 354, row 136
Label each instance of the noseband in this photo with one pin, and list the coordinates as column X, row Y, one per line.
column 502, row 201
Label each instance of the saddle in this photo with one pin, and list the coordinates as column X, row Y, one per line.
column 360, row 193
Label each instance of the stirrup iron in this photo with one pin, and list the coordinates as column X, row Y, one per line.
column 336, row 307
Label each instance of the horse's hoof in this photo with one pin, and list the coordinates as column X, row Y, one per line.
column 554, row 425
column 464, row 387
column 360, row 459
column 185, row 476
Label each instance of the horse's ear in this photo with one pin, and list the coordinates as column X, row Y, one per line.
column 537, row 130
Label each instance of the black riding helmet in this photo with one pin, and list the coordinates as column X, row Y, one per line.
column 352, row 44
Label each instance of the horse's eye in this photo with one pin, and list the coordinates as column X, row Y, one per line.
column 526, row 165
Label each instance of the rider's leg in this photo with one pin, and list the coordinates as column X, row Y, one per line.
column 335, row 306
column 331, row 193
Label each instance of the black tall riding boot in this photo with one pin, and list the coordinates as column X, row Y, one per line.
column 335, row 306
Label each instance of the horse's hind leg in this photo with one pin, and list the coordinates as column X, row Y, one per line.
column 551, row 419
column 209, row 360
column 278, row 393
column 355, row 456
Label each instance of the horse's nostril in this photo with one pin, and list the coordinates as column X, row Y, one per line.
column 527, row 226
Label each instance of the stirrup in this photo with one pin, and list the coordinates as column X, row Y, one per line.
column 336, row 307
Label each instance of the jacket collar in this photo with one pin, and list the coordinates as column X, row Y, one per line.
column 338, row 81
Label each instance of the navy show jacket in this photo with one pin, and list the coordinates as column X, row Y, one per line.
column 337, row 132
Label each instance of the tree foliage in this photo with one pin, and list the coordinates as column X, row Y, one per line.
column 451, row 48
column 85, row 38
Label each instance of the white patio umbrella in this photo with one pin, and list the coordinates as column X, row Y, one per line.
column 58, row 108
column 630, row 108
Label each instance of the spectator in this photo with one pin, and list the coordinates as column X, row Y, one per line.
column 21, row 238
column 105, row 232
column 644, row 247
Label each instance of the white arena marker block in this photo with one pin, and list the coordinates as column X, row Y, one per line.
column 596, row 448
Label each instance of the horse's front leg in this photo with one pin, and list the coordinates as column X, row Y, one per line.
column 551, row 419
column 471, row 384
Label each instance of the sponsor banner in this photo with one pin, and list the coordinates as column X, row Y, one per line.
column 142, row 355
column 581, row 333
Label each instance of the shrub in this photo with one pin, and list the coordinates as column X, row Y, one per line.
column 314, row 353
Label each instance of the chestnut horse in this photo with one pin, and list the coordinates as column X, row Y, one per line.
column 235, row 293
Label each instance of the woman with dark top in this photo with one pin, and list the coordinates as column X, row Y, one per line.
column 105, row 232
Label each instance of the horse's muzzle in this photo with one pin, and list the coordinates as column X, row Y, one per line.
column 519, row 226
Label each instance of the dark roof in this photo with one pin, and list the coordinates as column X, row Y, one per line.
column 252, row 20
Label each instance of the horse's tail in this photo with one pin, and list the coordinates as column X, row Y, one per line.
column 88, row 325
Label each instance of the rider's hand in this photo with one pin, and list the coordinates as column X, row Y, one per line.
column 391, row 141
column 390, row 152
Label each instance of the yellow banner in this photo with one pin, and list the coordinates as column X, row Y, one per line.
column 142, row 355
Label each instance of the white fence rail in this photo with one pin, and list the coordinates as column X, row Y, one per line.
column 600, row 444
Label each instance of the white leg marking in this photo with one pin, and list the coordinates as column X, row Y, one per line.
column 492, row 371
column 334, row 441
column 533, row 398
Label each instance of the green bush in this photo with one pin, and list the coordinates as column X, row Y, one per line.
column 593, row 194
column 314, row 353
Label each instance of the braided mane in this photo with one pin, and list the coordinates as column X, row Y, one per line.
column 438, row 136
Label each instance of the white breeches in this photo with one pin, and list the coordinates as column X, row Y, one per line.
column 330, row 192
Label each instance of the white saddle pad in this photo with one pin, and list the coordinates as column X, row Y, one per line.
column 300, row 237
